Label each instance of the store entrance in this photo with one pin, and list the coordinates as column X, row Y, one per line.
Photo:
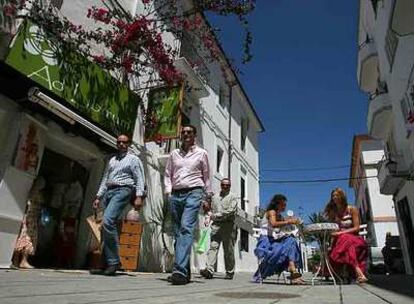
column 408, row 230
column 63, row 199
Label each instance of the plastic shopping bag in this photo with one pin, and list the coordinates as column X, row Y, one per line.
column 203, row 241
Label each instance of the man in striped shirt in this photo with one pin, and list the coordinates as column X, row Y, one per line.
column 187, row 179
column 123, row 181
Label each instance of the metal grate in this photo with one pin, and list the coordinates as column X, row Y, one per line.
column 257, row 295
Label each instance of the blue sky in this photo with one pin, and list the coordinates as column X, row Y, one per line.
column 302, row 81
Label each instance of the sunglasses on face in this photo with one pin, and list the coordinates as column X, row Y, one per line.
column 186, row 132
column 122, row 141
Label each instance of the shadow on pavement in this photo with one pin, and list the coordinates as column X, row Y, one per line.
column 402, row 284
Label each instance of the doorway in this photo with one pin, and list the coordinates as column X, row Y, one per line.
column 58, row 225
column 407, row 224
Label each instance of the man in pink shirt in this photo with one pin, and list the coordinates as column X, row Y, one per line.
column 187, row 179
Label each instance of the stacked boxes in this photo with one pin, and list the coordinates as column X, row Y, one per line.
column 130, row 242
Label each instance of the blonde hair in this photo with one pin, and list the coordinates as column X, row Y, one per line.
column 331, row 209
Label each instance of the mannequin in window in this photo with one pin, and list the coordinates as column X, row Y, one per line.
column 27, row 239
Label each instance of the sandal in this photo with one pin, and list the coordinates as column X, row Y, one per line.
column 362, row 280
column 297, row 281
column 294, row 275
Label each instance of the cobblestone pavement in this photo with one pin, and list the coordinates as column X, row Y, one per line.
column 49, row 286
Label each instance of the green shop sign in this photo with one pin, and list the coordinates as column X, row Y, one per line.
column 163, row 118
column 68, row 74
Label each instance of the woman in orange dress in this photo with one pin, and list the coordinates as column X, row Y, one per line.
column 348, row 247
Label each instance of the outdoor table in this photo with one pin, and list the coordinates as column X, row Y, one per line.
column 323, row 231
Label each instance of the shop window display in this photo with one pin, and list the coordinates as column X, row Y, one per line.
column 64, row 192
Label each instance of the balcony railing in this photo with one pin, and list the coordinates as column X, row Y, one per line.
column 391, row 44
column 379, row 119
column 367, row 66
column 189, row 52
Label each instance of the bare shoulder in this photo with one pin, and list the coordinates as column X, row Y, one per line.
column 271, row 213
column 353, row 209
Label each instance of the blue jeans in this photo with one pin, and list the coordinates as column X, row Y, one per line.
column 114, row 202
column 184, row 208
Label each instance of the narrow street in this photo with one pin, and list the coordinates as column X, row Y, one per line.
column 49, row 286
column 145, row 139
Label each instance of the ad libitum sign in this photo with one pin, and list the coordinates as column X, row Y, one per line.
column 68, row 74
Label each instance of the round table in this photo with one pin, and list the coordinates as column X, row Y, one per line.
column 323, row 231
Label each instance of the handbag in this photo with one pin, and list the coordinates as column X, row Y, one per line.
column 202, row 242
column 95, row 224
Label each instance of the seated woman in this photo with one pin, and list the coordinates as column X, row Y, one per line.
column 277, row 249
column 348, row 248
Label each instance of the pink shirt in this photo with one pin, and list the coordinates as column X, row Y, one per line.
column 187, row 170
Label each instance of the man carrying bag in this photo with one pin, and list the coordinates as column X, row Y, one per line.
column 223, row 230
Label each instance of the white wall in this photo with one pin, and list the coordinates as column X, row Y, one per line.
column 213, row 126
column 399, row 78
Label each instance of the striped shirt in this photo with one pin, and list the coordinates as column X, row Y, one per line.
column 123, row 170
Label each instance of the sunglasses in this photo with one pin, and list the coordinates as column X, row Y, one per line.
column 122, row 141
column 187, row 132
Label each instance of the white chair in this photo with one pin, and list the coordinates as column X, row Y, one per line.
column 257, row 232
column 363, row 231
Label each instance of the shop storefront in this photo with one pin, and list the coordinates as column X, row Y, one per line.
column 59, row 115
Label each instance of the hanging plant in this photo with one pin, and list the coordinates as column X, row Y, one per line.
column 135, row 45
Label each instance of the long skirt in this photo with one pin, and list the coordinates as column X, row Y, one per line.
column 27, row 239
column 351, row 250
column 274, row 256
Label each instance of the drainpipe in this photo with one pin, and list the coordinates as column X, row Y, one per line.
column 230, row 145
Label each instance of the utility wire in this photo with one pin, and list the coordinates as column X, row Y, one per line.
column 305, row 169
column 313, row 180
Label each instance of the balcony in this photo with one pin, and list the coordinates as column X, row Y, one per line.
column 379, row 120
column 367, row 71
column 391, row 45
column 402, row 17
column 391, row 174
column 196, row 61
column 196, row 85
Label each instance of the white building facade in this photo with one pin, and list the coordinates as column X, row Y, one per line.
column 228, row 128
column 385, row 71
column 376, row 210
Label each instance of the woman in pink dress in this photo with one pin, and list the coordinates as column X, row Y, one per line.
column 27, row 240
column 348, row 248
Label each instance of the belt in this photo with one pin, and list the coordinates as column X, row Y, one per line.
column 109, row 187
column 185, row 190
